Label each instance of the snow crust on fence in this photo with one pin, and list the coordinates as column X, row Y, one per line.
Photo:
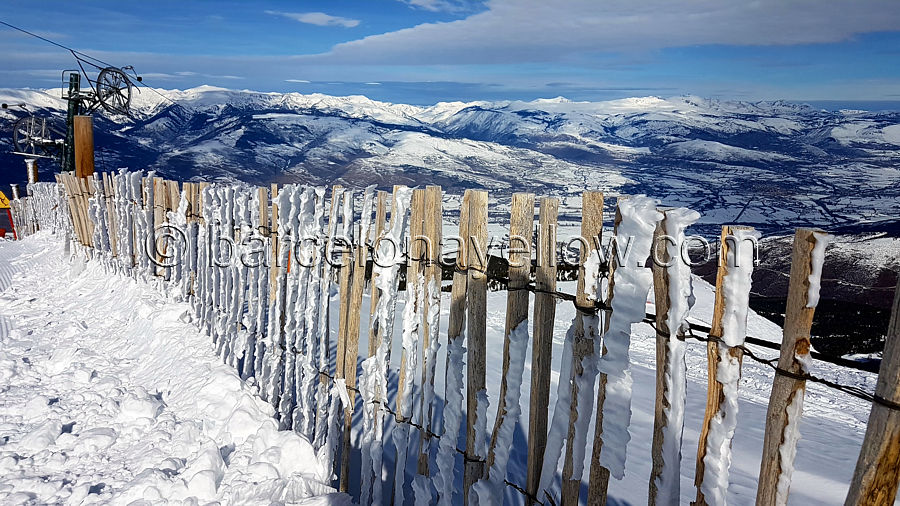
column 788, row 448
column 681, row 299
column 631, row 285
column 558, row 427
column 817, row 259
column 401, row 433
column 736, row 287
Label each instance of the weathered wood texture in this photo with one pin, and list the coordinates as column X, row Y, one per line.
column 786, row 390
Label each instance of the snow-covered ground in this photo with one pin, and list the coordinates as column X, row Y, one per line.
column 108, row 394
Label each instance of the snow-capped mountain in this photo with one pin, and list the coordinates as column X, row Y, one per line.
column 775, row 165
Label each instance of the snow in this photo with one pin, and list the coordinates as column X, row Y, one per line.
column 817, row 259
column 736, row 286
column 821, row 474
column 112, row 395
column 891, row 134
column 632, row 282
column 711, row 150
column 681, row 298
column 788, row 450
column 490, row 491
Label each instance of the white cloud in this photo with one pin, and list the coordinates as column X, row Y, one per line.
column 521, row 31
column 436, row 5
column 301, row 81
column 317, row 18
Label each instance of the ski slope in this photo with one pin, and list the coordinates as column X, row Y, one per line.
column 108, row 394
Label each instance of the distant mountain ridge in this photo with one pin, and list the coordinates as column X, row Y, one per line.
column 774, row 165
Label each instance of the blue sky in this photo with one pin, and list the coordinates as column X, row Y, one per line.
column 424, row 51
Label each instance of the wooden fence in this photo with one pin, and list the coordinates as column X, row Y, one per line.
column 258, row 264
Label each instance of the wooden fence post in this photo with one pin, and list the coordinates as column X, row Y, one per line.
column 417, row 208
column 357, row 269
column 380, row 215
column 476, row 326
column 661, row 299
column 786, row 400
column 109, row 194
column 714, row 395
column 599, row 475
column 455, row 325
column 432, row 217
column 542, row 341
column 583, row 343
column 878, row 468
column 521, row 225
column 84, row 146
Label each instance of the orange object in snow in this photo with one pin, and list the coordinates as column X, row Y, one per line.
column 6, row 222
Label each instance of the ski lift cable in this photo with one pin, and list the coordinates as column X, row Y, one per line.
column 90, row 59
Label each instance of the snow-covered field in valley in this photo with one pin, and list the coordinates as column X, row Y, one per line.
column 109, row 394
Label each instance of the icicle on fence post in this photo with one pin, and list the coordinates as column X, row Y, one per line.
column 344, row 243
column 673, row 296
column 542, row 341
column 585, row 346
column 370, row 380
column 515, row 345
column 159, row 217
column 386, row 268
column 788, row 388
column 433, row 217
column 323, row 393
column 380, row 217
column 110, row 193
column 635, row 222
column 412, row 320
column 729, row 322
column 877, row 471
column 273, row 330
column 453, row 384
column 476, row 330
column 357, row 269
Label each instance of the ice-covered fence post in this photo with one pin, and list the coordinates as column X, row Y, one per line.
column 724, row 362
column 386, row 267
column 673, row 296
column 878, row 468
column 380, row 216
column 411, row 328
column 370, row 383
column 521, row 222
column 636, row 219
column 515, row 345
column 542, row 341
column 453, row 384
column 357, row 266
column 346, row 248
column 413, row 271
column 159, row 217
column 260, row 299
column 585, row 345
column 433, row 219
column 273, row 329
column 110, row 193
column 789, row 387
column 476, row 330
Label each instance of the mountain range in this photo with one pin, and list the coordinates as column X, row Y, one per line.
column 774, row 165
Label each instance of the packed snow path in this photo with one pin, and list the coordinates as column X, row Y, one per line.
column 108, row 394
